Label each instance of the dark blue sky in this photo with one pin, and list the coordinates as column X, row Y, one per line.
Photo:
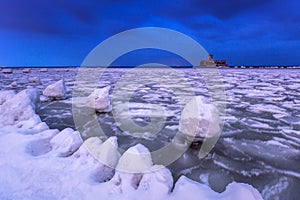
column 63, row 32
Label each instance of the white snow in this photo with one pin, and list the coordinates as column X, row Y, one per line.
column 99, row 100
column 56, row 90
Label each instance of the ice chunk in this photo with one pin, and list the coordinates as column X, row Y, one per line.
column 99, row 100
column 199, row 119
column 14, row 84
column 66, row 142
column 7, row 71
column 56, row 90
column 136, row 159
column 19, row 111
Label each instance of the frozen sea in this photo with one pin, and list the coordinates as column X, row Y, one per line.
column 260, row 140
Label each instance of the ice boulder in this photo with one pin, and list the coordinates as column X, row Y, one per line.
column 66, row 142
column 199, row 120
column 6, row 95
column 99, row 100
column 19, row 111
column 56, row 90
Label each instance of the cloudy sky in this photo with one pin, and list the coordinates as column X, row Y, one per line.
column 63, row 32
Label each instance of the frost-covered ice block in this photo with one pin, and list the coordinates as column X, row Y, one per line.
column 19, row 111
column 56, row 90
column 199, row 120
column 99, row 100
column 6, row 95
column 66, row 142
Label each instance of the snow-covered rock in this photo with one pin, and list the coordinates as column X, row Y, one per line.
column 6, row 95
column 56, row 90
column 199, row 119
column 20, row 110
column 66, row 142
column 99, row 100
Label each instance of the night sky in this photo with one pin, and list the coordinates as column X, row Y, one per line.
column 63, row 32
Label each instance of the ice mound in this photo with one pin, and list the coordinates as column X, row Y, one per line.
column 19, row 110
column 56, row 90
column 99, row 100
column 66, row 142
column 199, row 119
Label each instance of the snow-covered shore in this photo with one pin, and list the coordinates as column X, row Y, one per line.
column 41, row 163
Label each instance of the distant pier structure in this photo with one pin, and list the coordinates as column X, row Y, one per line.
column 212, row 63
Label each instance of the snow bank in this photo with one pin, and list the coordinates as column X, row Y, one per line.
column 199, row 119
column 99, row 100
column 56, row 90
